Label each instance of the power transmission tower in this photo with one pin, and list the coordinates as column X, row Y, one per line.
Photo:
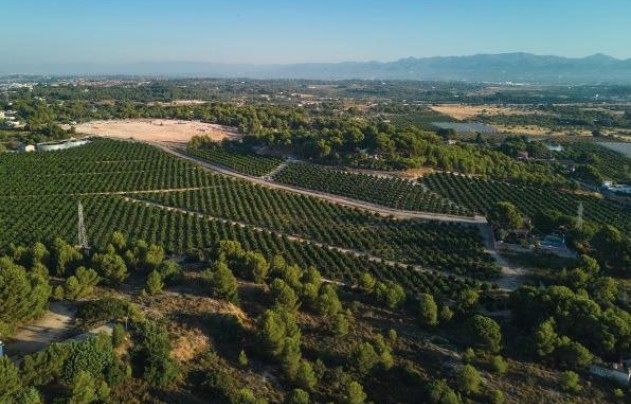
column 579, row 216
column 83, row 236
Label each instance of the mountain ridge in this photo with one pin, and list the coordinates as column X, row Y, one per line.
column 518, row 67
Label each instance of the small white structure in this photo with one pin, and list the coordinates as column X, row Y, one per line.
column 621, row 189
column 27, row 148
column 554, row 147
column 68, row 144
column 614, row 374
column 616, row 188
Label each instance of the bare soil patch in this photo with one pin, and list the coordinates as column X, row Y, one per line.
column 157, row 130
column 177, row 103
column 535, row 130
column 37, row 335
column 463, row 111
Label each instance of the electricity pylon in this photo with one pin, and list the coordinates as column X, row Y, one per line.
column 83, row 236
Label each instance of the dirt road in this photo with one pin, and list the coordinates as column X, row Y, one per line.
column 354, row 203
column 54, row 325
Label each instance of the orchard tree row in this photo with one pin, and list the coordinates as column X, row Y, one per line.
column 391, row 192
column 27, row 220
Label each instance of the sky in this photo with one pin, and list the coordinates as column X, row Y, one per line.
column 275, row 31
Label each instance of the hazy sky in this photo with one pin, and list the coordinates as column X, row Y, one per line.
column 274, row 31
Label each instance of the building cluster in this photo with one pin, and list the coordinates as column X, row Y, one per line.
column 9, row 119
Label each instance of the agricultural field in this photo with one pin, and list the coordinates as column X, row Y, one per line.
column 103, row 166
column 228, row 288
column 391, row 192
column 609, row 159
column 242, row 162
column 40, row 192
column 454, row 248
column 480, row 195
column 29, row 219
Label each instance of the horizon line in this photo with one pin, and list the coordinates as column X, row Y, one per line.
column 314, row 62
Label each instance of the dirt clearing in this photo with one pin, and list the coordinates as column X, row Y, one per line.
column 157, row 130
column 535, row 130
column 463, row 111
column 37, row 335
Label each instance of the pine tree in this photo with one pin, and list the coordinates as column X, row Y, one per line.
column 428, row 311
column 118, row 335
column 243, row 359
column 486, row 333
column 305, row 376
column 297, row 396
column 328, row 303
column 340, row 325
column 224, row 283
column 445, row 314
column 354, row 393
column 364, row 358
column 469, row 380
column 284, row 295
column 154, row 283
column 10, row 382
column 546, row 338
column 83, row 389
column 367, row 282
column 110, row 266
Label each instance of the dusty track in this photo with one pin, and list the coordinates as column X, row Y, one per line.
column 54, row 325
column 354, row 203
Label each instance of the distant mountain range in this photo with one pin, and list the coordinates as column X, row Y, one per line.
column 493, row 68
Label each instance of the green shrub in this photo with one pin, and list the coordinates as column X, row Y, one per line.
column 469, row 380
column 570, row 382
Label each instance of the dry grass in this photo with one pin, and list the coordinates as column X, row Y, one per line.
column 177, row 103
column 414, row 173
column 535, row 130
column 411, row 173
column 189, row 343
column 463, row 111
column 157, row 130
